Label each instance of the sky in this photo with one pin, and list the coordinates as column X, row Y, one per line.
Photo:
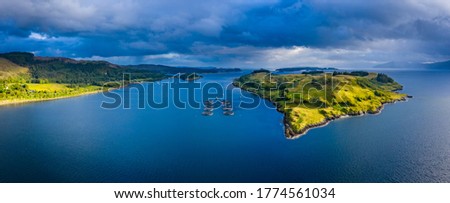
column 234, row 33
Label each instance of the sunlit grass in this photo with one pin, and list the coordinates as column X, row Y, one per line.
column 51, row 87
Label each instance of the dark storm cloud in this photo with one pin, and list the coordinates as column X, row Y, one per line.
column 219, row 31
column 339, row 23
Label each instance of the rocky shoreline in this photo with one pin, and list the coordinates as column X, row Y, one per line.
column 291, row 134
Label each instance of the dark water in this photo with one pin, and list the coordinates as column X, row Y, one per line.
column 74, row 140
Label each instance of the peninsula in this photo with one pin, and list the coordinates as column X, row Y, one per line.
column 313, row 99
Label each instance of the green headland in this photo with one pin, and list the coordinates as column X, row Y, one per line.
column 315, row 98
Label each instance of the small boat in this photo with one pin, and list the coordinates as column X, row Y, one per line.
column 208, row 109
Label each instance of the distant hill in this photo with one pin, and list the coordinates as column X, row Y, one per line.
column 413, row 65
column 400, row 65
column 439, row 65
column 175, row 70
column 304, row 69
column 27, row 59
column 70, row 71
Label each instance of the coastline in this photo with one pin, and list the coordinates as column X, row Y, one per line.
column 291, row 134
column 26, row 101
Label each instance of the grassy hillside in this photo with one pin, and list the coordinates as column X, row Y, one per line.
column 25, row 77
column 311, row 100
column 69, row 71
column 175, row 70
column 9, row 70
column 17, row 84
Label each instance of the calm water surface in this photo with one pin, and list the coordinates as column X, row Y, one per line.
column 74, row 140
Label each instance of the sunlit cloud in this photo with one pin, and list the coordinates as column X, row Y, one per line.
column 38, row 36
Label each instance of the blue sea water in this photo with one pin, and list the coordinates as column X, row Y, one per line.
column 74, row 140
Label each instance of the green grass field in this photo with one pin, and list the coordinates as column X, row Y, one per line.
column 48, row 87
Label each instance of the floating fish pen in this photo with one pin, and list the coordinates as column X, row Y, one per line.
column 227, row 105
column 207, row 113
column 227, row 108
column 228, row 113
column 226, row 102
column 208, row 102
column 208, row 109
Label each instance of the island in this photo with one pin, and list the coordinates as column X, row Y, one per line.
column 305, row 69
column 313, row 99
column 190, row 76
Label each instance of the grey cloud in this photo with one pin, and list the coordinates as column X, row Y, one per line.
column 228, row 32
